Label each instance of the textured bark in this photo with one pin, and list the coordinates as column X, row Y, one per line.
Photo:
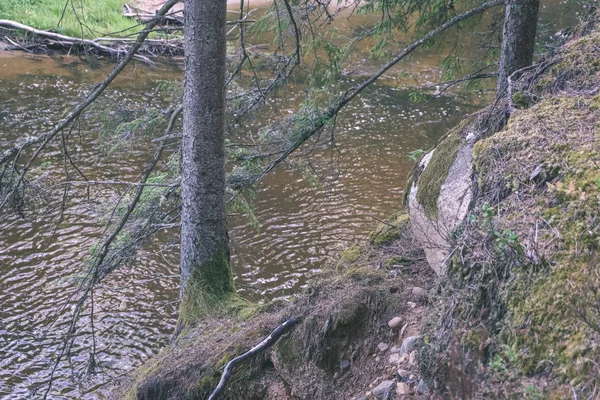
column 518, row 39
column 204, row 238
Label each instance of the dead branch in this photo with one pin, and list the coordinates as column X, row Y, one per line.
column 44, row 139
column 348, row 95
column 66, row 41
column 96, row 273
column 265, row 344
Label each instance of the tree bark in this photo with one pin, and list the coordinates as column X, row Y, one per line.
column 518, row 39
column 206, row 278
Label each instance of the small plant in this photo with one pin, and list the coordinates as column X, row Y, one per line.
column 533, row 393
column 416, row 155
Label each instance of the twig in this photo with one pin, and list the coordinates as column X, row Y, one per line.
column 45, row 138
column 58, row 38
column 348, row 95
column 265, row 344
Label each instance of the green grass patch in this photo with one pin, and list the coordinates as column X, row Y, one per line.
column 82, row 18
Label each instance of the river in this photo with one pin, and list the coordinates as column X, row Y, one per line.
column 303, row 225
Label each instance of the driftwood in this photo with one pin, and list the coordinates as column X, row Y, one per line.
column 175, row 17
column 58, row 39
column 265, row 344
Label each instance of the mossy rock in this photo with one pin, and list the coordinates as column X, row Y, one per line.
column 429, row 184
column 389, row 231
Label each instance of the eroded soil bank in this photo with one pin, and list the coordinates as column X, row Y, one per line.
column 516, row 315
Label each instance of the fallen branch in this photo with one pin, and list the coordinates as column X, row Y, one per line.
column 265, row 344
column 65, row 40
column 350, row 94
column 13, row 153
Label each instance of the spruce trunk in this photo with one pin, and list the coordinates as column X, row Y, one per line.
column 518, row 39
column 206, row 279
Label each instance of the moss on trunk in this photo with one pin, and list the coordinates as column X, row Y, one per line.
column 210, row 288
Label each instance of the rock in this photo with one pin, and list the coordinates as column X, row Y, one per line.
column 411, row 304
column 403, row 330
column 420, row 293
column 402, row 389
column 382, row 390
column 394, row 358
column 361, row 398
column 412, row 359
column 395, row 323
column 377, row 359
column 403, row 374
column 382, row 347
column 408, row 344
column 344, row 365
column 422, row 387
column 395, row 349
column 439, row 200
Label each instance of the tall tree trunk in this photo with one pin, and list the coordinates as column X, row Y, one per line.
column 518, row 39
column 206, row 278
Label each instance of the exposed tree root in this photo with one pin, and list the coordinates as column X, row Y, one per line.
column 265, row 344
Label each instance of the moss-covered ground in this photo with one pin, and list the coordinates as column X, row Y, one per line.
column 345, row 311
column 522, row 297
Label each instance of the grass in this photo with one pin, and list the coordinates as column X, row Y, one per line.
column 82, row 18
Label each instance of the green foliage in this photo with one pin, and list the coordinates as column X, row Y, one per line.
column 416, row 155
column 82, row 18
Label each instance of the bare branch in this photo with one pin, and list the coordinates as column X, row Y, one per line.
column 45, row 138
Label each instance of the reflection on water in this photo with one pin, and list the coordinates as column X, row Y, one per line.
column 302, row 225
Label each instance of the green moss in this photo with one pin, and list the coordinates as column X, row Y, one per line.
column 389, row 231
column 351, row 254
column 521, row 100
column 288, row 351
column 435, row 174
column 391, row 262
column 209, row 289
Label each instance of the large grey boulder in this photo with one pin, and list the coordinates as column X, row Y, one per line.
column 442, row 192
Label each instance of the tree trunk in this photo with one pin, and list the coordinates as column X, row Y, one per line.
column 518, row 40
column 206, row 279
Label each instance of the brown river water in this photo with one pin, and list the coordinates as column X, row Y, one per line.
column 303, row 225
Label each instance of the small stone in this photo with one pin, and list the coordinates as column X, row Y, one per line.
column 402, row 389
column 408, row 344
column 403, row 374
column 420, row 293
column 394, row 358
column 403, row 358
column 382, row 347
column 412, row 359
column 377, row 359
column 361, row 398
column 395, row 349
column 422, row 387
column 395, row 323
column 344, row 365
column 368, row 394
column 403, row 330
column 411, row 304
column 383, row 389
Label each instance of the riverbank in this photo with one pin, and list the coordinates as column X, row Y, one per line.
column 514, row 312
column 108, row 27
